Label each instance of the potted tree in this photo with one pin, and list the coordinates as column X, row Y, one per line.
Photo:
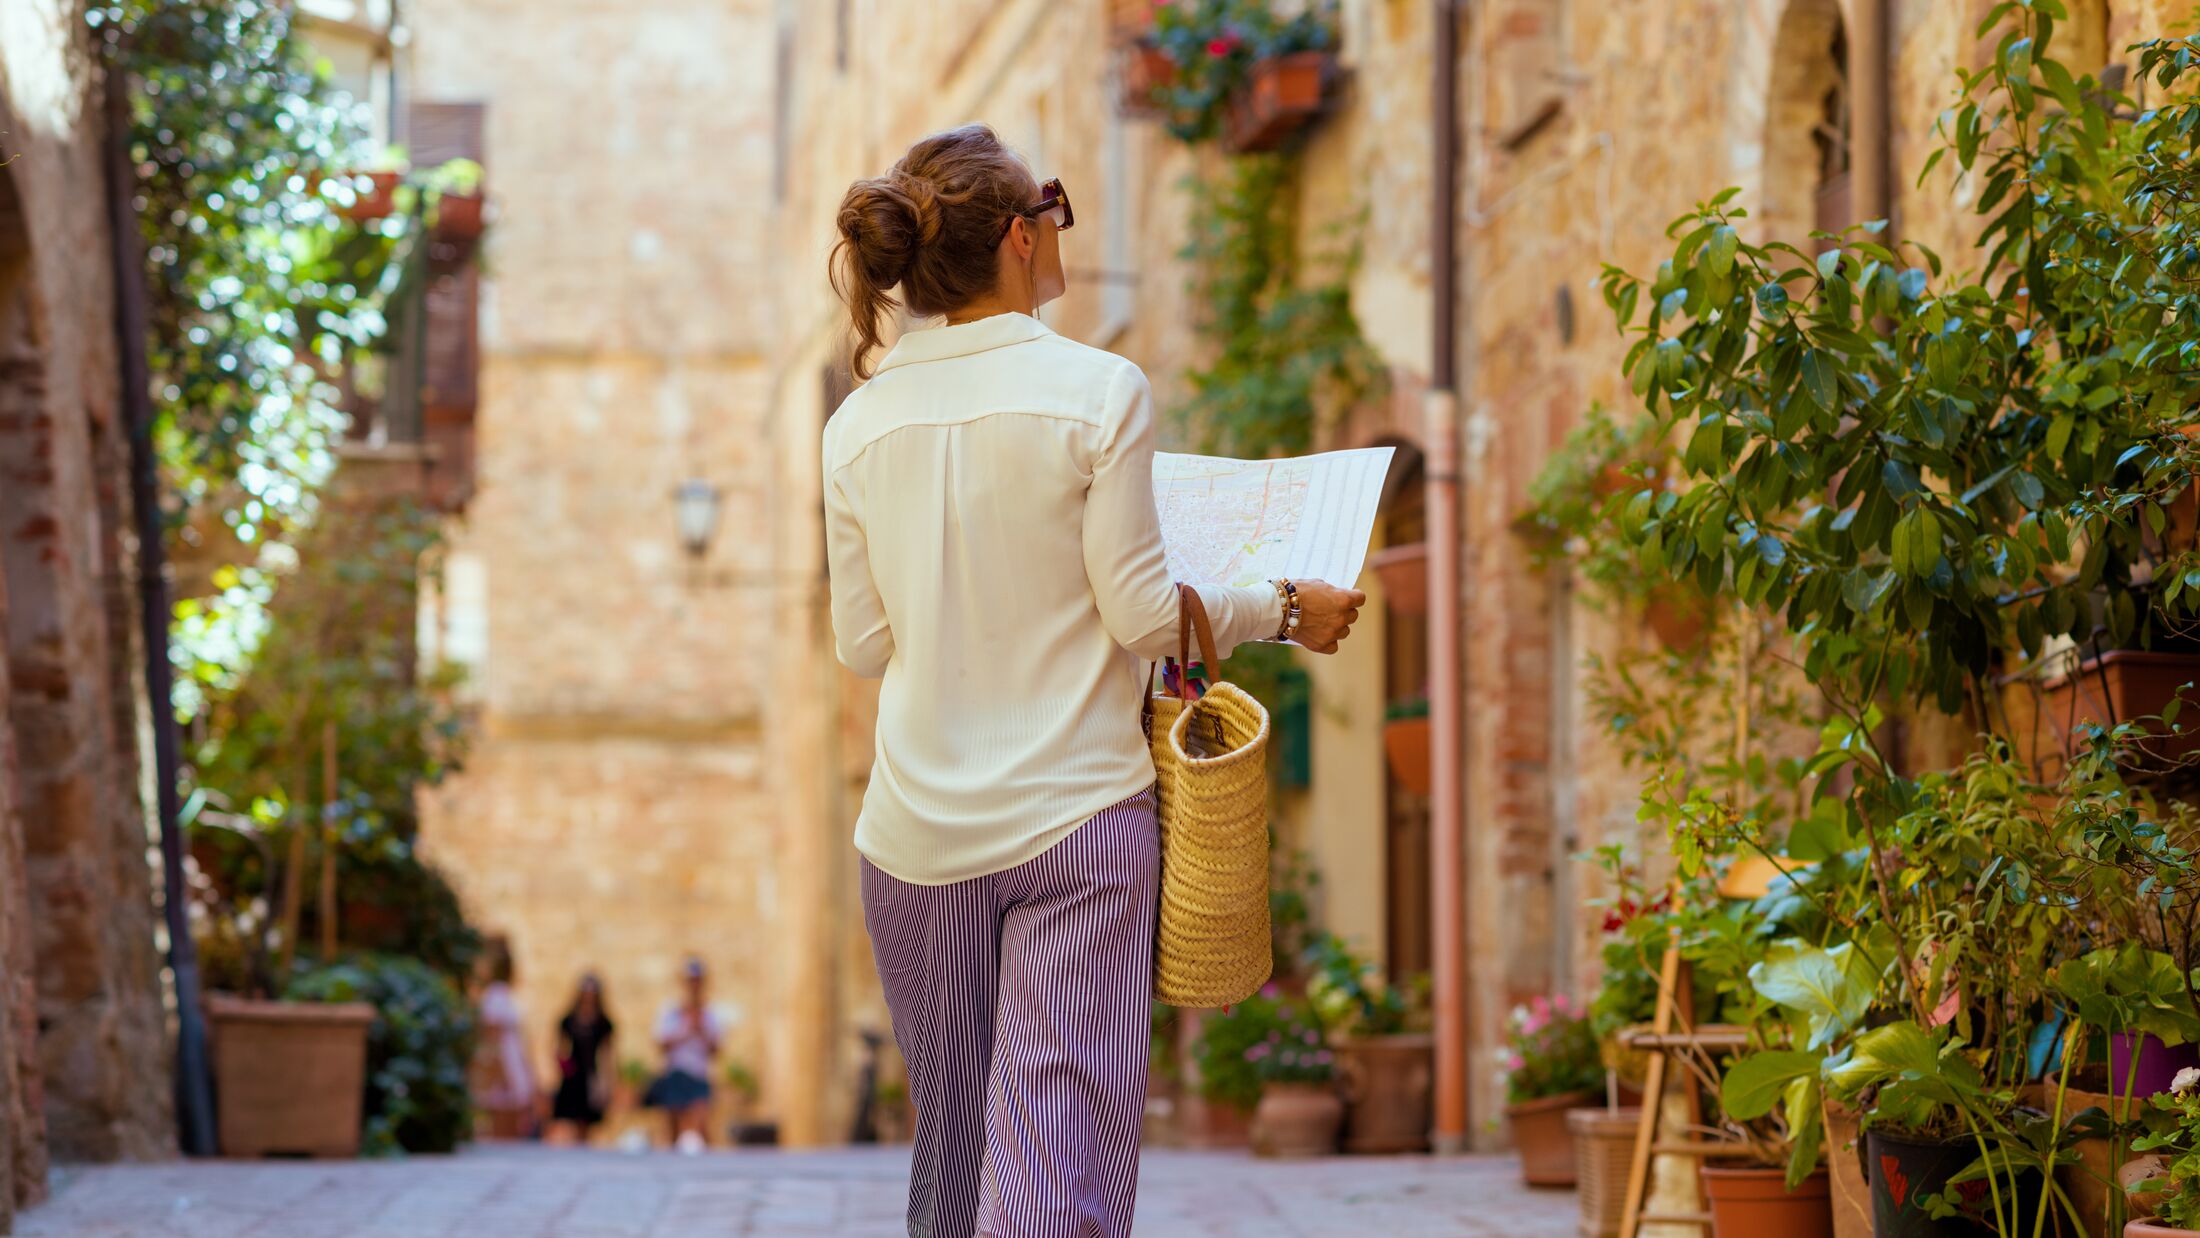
column 1299, row 1110
column 1550, row 1065
column 1385, row 1059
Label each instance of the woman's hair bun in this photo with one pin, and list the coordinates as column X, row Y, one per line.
column 885, row 220
column 931, row 227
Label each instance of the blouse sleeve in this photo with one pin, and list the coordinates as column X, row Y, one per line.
column 1123, row 552
column 861, row 636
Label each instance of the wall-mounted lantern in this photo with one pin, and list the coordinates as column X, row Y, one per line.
column 695, row 507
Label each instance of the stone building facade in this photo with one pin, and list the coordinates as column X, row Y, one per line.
column 632, row 796
column 84, row 1063
column 670, row 761
column 1585, row 126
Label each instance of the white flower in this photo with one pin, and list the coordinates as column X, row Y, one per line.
column 2186, row 1079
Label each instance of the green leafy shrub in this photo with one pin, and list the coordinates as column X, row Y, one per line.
column 419, row 1049
column 1351, row 997
column 1225, row 1073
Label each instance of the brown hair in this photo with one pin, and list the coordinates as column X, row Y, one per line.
column 932, row 225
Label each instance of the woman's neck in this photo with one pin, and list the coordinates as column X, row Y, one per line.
column 987, row 307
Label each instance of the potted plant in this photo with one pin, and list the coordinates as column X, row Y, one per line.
column 1224, row 1088
column 455, row 202
column 373, row 194
column 1242, row 71
column 1385, row 1058
column 1550, row 1065
column 1299, row 1110
column 1406, row 744
column 2165, row 1189
column 1143, row 71
column 419, row 1038
column 1282, row 94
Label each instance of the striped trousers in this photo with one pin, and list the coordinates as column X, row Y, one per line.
column 1022, row 1004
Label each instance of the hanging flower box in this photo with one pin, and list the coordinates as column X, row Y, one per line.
column 458, row 217
column 1129, row 20
column 374, row 196
column 1403, row 571
column 1282, row 95
column 1143, row 70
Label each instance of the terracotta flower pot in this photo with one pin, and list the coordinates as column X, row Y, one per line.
column 375, row 199
column 1403, row 571
column 1406, row 745
column 1142, row 69
column 1283, row 94
column 2149, row 1229
column 2118, row 686
column 1540, row 1136
column 291, row 1076
column 1297, row 1119
column 1604, row 1149
column 1207, row 1123
column 1386, row 1088
column 1755, row 1202
column 458, row 217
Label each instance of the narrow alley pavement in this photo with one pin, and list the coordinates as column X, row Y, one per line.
column 847, row 1193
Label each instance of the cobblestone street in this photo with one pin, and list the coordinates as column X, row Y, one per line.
column 524, row 1192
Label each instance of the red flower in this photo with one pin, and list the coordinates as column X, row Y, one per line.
column 1222, row 45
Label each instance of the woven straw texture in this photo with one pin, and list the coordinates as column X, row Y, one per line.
column 1212, row 946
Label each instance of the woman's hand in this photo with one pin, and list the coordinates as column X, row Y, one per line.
column 1326, row 614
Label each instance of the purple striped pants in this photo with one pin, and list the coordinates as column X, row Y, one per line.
column 1021, row 1001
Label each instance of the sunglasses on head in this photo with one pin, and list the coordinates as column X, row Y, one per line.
column 1052, row 206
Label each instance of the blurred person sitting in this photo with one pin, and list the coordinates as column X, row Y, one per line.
column 689, row 1032
column 584, row 1065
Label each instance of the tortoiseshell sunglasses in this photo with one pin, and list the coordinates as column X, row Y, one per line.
column 1053, row 205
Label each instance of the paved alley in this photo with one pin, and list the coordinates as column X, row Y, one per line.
column 849, row 1193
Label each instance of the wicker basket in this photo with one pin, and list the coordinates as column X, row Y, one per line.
column 1604, row 1144
column 1212, row 944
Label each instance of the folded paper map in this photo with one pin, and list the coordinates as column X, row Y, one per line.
column 1240, row 522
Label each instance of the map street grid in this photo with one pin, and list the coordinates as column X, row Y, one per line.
column 1240, row 522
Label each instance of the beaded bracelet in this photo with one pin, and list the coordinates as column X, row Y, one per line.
column 1288, row 594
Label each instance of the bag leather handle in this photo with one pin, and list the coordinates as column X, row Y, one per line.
column 1191, row 618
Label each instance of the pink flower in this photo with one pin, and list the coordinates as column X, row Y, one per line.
column 1222, row 45
column 1268, row 990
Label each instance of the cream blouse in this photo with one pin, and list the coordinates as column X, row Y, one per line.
column 995, row 556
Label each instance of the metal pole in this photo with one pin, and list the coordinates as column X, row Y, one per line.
column 1447, row 675
column 193, row 1093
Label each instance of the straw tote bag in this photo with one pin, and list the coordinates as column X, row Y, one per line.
column 1210, row 756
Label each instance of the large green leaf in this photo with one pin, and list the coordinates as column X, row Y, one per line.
column 1828, row 991
column 1806, row 1119
column 1755, row 1083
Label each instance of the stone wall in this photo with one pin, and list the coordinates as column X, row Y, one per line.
column 628, row 800
column 1586, row 126
column 87, row 1062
